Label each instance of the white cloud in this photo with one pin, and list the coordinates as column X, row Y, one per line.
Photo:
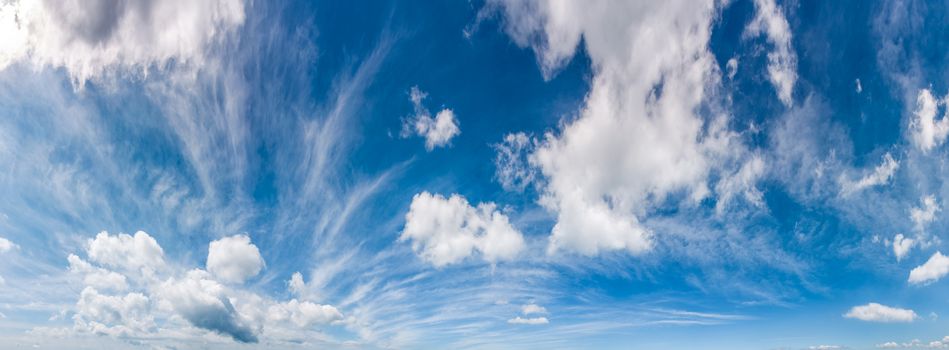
column 874, row 312
column 447, row 230
column 512, row 166
column 825, row 347
column 925, row 214
column 916, row 343
column 97, row 277
column 643, row 104
column 234, row 259
column 6, row 245
column 203, row 302
column 731, row 67
column 935, row 268
column 902, row 245
column 113, row 315
column 437, row 131
column 859, row 87
column 303, row 314
column 129, row 253
column 925, row 131
column 296, row 285
column 530, row 321
column 92, row 38
column 533, row 309
column 782, row 61
column 881, row 175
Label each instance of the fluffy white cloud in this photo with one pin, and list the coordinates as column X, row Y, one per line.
column 90, row 38
column 129, row 253
column 935, row 268
column 97, row 277
column 204, row 303
column 437, row 131
column 6, row 245
column 902, row 245
column 296, row 285
column 234, row 259
column 881, row 175
column 782, row 61
column 530, row 321
column 303, row 314
column 643, row 104
column 874, row 312
column 925, row 131
column 925, row 214
column 447, row 230
column 113, row 315
column 916, row 343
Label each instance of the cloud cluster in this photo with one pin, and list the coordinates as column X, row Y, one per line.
column 526, row 311
column 874, row 312
column 447, row 230
column 129, row 304
column 92, row 38
column 644, row 104
column 437, row 131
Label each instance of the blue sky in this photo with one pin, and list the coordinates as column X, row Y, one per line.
column 497, row 174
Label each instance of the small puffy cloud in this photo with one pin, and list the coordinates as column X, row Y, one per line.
column 731, row 67
column 881, row 175
column 234, row 259
column 916, row 343
column 91, row 38
column 924, row 214
column 447, row 230
column 935, row 268
column 296, row 284
column 127, row 253
column 902, row 245
column 530, row 321
column 925, row 131
column 530, row 309
column 6, row 245
column 202, row 301
column 303, row 314
column 782, row 61
column 437, row 131
column 512, row 166
column 874, row 312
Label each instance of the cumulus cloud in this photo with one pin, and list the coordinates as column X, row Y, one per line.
column 203, row 302
column 916, row 343
column 170, row 296
column 530, row 321
column 296, row 285
column 234, row 259
column 645, row 105
column 129, row 253
column 303, row 314
column 874, row 312
column 880, row 175
column 437, row 131
column 447, row 230
column 92, row 38
column 782, row 61
column 935, row 268
column 113, row 315
column 97, row 277
column 925, row 131
column 6, row 245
